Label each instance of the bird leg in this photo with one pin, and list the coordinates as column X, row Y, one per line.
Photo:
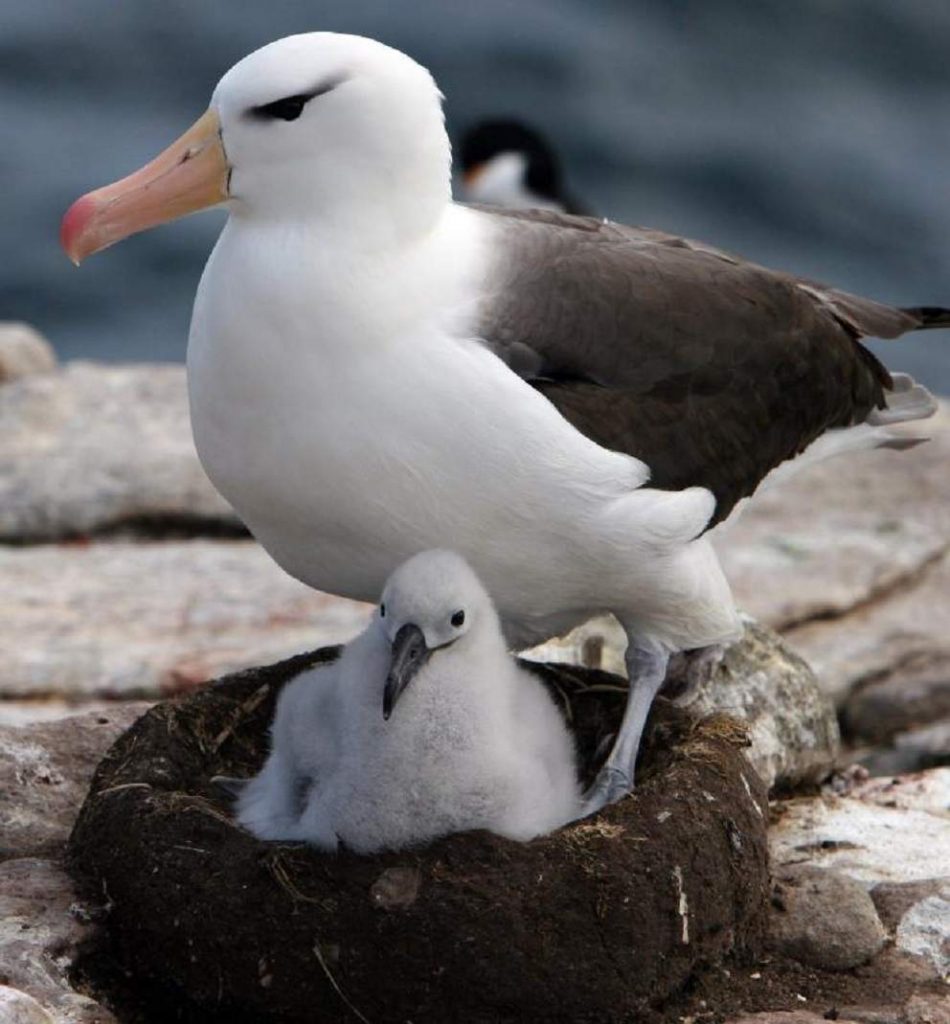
column 646, row 670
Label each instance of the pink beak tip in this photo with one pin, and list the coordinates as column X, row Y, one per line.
column 74, row 223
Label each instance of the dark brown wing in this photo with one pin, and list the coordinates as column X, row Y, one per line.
column 709, row 369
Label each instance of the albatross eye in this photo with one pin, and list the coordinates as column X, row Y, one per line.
column 382, row 611
column 287, row 109
column 291, row 107
column 458, row 618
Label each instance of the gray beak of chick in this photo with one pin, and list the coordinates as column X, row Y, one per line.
column 410, row 653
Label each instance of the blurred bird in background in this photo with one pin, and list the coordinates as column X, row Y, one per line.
column 503, row 162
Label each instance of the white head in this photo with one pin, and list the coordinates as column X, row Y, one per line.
column 432, row 603
column 338, row 133
column 331, row 127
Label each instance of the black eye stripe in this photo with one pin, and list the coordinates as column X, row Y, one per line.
column 289, row 108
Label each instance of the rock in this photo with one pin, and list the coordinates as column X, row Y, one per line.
column 872, row 1014
column 910, row 752
column 860, row 544
column 892, row 900
column 842, row 533
column 927, row 1010
column 45, row 770
column 40, row 937
column 23, row 352
column 139, row 620
column 921, row 791
column 881, row 830
column 924, row 930
column 823, row 919
column 115, row 447
column 485, row 928
column 897, row 637
column 52, row 709
column 919, row 694
column 17, row 1007
column 786, row 1017
column 899, row 968
column 792, row 725
column 930, row 743
column 793, row 731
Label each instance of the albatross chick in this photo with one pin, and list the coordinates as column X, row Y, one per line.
column 424, row 726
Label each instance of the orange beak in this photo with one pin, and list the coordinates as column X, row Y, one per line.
column 190, row 175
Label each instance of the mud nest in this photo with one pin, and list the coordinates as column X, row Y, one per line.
column 597, row 922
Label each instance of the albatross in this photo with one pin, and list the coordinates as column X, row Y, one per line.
column 475, row 741
column 571, row 404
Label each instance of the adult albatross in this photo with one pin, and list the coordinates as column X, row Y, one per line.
column 569, row 403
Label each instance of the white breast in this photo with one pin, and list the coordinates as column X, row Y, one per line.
column 338, row 406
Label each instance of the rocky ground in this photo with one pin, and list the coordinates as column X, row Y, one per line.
column 125, row 579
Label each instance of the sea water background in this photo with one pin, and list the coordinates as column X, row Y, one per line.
column 812, row 135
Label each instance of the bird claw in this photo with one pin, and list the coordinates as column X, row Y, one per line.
column 611, row 785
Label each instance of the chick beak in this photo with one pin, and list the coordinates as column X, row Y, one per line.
column 409, row 654
column 190, row 175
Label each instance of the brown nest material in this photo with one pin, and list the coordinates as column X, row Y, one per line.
column 596, row 922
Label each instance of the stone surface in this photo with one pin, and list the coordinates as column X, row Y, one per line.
column 921, row 791
column 928, row 743
column 839, row 533
column 892, row 900
column 134, row 620
column 17, row 1007
column 50, row 709
column 793, row 730
column 904, row 636
column 822, row 918
column 924, row 930
column 927, row 1010
column 849, row 560
column 911, row 751
column 45, row 770
column 23, row 352
column 40, row 935
column 786, row 1017
column 95, row 447
column 792, row 725
column 882, row 830
column 918, row 694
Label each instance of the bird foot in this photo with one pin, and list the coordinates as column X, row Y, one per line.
column 610, row 786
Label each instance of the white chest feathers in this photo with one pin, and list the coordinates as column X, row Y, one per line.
column 425, row 726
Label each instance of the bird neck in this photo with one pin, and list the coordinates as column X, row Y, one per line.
column 370, row 208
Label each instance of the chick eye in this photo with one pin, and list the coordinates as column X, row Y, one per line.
column 458, row 618
column 287, row 109
column 382, row 611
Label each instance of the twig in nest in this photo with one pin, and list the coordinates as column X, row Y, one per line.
column 277, row 869
column 241, row 711
column 339, row 991
column 124, row 785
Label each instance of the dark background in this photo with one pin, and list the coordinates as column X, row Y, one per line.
column 811, row 135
